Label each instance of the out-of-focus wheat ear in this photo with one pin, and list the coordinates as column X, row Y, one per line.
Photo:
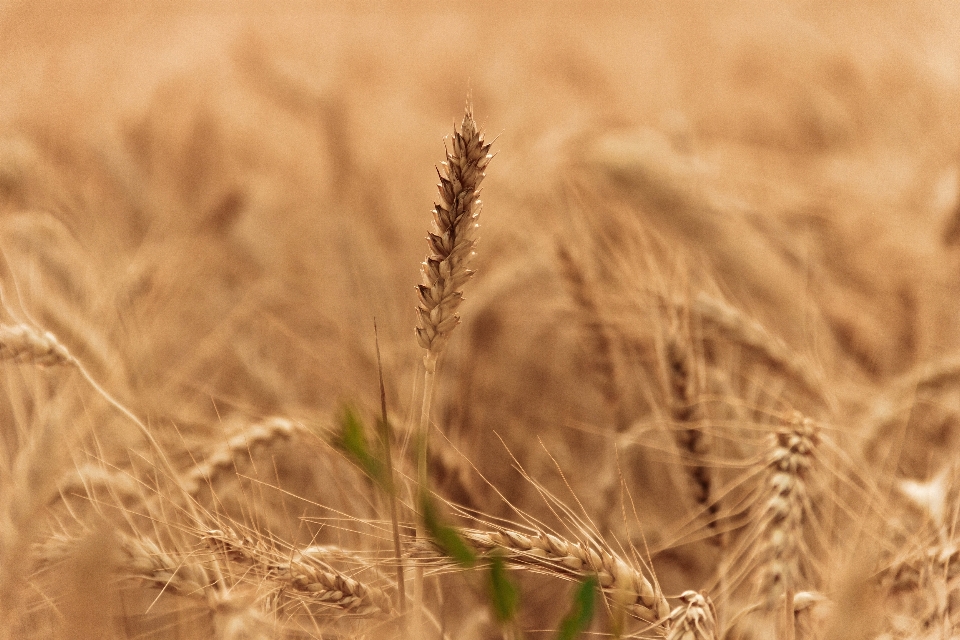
column 695, row 619
column 300, row 575
column 599, row 350
column 148, row 561
column 744, row 330
column 222, row 459
column 29, row 487
column 784, row 512
column 24, row 344
column 681, row 380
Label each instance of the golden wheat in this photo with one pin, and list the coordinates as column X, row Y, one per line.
column 695, row 619
column 553, row 555
column 24, row 344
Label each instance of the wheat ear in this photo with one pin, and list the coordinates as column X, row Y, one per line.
column 451, row 242
column 695, row 619
column 746, row 331
column 313, row 581
column 553, row 555
column 452, row 238
column 24, row 344
column 787, row 501
column 222, row 459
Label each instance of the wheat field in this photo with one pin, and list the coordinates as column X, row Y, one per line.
column 695, row 376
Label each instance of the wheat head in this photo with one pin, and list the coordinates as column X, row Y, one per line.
column 452, row 238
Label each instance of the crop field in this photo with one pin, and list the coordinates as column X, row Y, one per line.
column 270, row 369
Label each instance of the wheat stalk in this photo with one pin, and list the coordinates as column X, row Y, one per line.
column 451, row 242
column 551, row 554
column 695, row 619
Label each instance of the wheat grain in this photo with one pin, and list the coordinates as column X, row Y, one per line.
column 695, row 619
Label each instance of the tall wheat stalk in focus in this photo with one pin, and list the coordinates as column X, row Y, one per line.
column 451, row 241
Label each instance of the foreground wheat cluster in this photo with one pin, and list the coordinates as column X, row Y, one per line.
column 692, row 373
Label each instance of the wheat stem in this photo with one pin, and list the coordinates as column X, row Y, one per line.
column 385, row 442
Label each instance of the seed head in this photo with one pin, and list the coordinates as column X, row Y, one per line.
column 453, row 235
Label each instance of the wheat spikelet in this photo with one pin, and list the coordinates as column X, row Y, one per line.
column 24, row 344
column 695, row 619
column 221, row 460
column 553, row 555
column 313, row 581
column 452, row 239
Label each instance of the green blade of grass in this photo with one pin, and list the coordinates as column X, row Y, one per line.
column 581, row 612
column 444, row 536
column 352, row 440
column 504, row 596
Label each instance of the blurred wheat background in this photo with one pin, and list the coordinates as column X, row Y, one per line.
column 715, row 237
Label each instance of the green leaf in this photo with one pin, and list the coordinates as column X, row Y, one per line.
column 352, row 440
column 504, row 595
column 444, row 536
column 581, row 612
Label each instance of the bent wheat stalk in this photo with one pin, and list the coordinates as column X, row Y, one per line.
column 222, row 459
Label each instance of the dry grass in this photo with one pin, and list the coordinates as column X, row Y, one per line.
column 709, row 356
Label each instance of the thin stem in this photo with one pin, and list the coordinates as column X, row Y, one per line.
column 429, row 376
column 384, row 428
column 789, row 624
